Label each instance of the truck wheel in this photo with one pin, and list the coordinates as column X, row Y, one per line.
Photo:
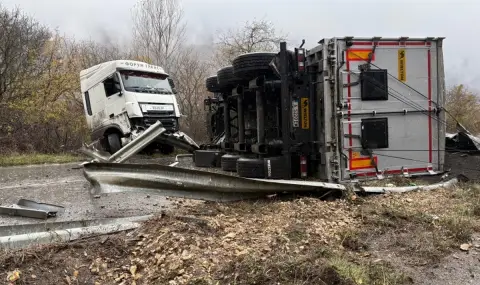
column 166, row 149
column 251, row 65
column 229, row 162
column 207, row 158
column 226, row 79
column 114, row 143
column 212, row 84
column 251, row 167
column 275, row 167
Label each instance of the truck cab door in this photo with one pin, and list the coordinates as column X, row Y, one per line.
column 115, row 101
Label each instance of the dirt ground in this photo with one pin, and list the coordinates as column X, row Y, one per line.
column 461, row 163
column 412, row 238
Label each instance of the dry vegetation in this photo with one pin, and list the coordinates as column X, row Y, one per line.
column 35, row 158
column 369, row 240
column 41, row 107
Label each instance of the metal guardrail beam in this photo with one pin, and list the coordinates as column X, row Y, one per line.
column 138, row 144
column 186, row 183
column 193, row 184
column 12, row 230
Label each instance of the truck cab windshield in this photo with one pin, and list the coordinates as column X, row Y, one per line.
column 144, row 82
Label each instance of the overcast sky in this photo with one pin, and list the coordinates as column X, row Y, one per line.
column 457, row 20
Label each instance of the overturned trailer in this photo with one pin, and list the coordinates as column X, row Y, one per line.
column 347, row 109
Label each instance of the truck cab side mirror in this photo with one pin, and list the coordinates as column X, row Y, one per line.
column 172, row 84
column 117, row 89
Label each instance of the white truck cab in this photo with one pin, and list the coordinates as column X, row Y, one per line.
column 123, row 97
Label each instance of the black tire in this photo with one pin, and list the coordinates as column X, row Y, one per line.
column 251, row 167
column 166, row 149
column 251, row 65
column 229, row 162
column 226, row 79
column 275, row 168
column 212, row 84
column 207, row 158
column 114, row 143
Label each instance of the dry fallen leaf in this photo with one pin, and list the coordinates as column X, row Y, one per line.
column 230, row 235
column 13, row 276
column 133, row 270
column 465, row 247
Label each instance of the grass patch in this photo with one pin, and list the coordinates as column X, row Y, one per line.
column 367, row 273
column 36, row 158
column 353, row 240
column 280, row 268
column 313, row 267
column 460, row 228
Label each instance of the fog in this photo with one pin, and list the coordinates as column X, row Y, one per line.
column 311, row 20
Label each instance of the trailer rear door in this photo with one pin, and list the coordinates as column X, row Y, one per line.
column 391, row 93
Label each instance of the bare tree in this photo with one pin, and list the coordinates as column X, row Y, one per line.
column 463, row 105
column 159, row 30
column 257, row 35
column 91, row 53
column 190, row 74
column 21, row 41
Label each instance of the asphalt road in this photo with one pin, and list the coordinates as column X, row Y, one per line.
column 66, row 186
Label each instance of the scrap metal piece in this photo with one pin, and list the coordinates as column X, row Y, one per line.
column 180, row 140
column 381, row 190
column 93, row 153
column 31, row 209
column 177, row 161
column 186, row 183
column 24, row 212
column 51, row 209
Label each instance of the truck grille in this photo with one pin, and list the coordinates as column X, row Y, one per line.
column 159, row 113
column 170, row 124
